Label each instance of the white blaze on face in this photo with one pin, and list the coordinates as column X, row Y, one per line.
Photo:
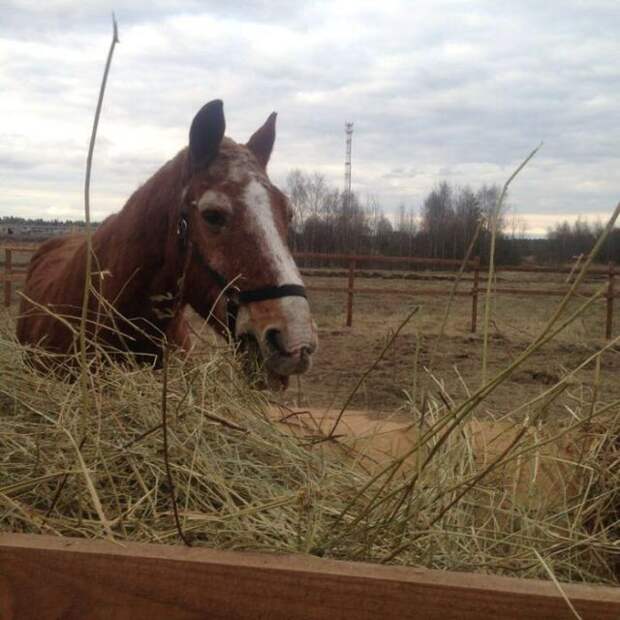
column 256, row 199
column 289, row 315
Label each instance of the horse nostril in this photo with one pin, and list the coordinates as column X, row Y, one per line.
column 274, row 339
column 276, row 342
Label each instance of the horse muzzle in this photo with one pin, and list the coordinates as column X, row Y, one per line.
column 284, row 359
column 284, row 332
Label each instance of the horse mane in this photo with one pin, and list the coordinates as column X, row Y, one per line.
column 135, row 250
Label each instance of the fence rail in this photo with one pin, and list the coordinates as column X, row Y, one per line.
column 474, row 292
column 54, row 577
column 439, row 262
column 352, row 262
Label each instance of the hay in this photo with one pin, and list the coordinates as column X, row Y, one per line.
column 440, row 495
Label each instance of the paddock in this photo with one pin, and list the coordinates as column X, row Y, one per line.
column 106, row 579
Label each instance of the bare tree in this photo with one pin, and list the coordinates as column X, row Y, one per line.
column 309, row 195
column 437, row 215
column 327, row 220
column 467, row 214
column 487, row 196
column 317, row 191
column 297, row 191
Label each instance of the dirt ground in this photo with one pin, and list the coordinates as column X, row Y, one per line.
column 346, row 353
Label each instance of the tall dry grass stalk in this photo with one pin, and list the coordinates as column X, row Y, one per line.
column 88, row 228
column 493, row 221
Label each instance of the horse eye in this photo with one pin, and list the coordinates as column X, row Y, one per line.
column 215, row 219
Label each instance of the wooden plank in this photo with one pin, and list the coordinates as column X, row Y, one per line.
column 8, row 267
column 609, row 318
column 429, row 292
column 350, row 293
column 412, row 260
column 387, row 260
column 14, row 276
column 46, row 577
column 19, row 248
column 388, row 291
column 543, row 269
column 474, row 296
column 441, row 262
column 541, row 292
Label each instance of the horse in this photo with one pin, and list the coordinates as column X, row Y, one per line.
column 208, row 230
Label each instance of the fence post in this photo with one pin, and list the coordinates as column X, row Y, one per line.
column 8, row 268
column 610, row 302
column 474, row 295
column 350, row 293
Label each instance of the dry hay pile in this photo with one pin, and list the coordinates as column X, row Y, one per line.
column 244, row 481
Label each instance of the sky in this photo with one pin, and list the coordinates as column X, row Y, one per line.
column 437, row 90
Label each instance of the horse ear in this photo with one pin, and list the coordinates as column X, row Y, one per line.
column 206, row 133
column 261, row 143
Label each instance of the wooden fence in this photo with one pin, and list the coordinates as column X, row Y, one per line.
column 47, row 577
column 352, row 262
column 10, row 275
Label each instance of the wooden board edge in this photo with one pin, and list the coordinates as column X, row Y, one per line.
column 284, row 578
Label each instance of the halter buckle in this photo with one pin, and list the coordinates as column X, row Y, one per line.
column 182, row 228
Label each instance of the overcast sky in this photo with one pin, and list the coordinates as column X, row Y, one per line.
column 452, row 90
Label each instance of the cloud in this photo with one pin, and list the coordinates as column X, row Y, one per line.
column 451, row 89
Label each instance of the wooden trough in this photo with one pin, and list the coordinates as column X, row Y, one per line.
column 45, row 577
column 48, row 577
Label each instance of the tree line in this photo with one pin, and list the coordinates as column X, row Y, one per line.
column 449, row 219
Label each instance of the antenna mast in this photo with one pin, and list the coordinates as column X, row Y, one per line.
column 348, row 130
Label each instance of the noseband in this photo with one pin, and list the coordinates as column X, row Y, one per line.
column 232, row 294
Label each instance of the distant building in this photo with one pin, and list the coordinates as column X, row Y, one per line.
column 30, row 231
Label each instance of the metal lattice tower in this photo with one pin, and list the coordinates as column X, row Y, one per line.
column 348, row 130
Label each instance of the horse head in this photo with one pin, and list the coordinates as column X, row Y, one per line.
column 232, row 227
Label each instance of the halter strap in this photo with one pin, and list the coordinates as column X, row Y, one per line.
column 234, row 297
column 272, row 292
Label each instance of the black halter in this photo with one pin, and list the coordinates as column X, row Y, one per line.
column 232, row 294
